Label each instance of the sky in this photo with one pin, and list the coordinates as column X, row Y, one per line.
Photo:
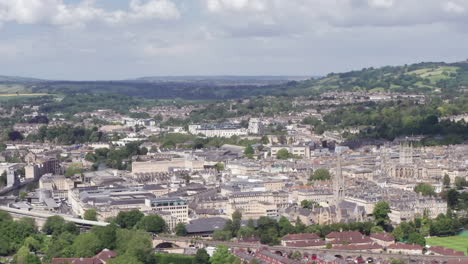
column 122, row 39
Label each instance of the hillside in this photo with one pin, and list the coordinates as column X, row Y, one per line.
column 429, row 78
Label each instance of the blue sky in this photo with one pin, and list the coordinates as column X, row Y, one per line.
column 120, row 39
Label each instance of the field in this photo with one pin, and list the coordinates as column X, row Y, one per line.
column 459, row 242
column 20, row 96
column 435, row 74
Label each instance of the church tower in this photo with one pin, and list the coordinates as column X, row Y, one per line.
column 338, row 183
column 339, row 189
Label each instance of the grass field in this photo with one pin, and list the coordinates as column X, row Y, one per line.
column 459, row 242
column 6, row 97
column 435, row 74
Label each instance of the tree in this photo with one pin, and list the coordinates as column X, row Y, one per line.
column 299, row 227
column 180, row 229
column 381, row 211
column 236, row 222
column 283, row 154
column 285, row 226
column 107, row 235
column 265, row 140
column 14, row 136
column 425, row 189
column 201, row 257
column 222, row 235
column 23, row 195
column 153, row 223
column 377, row 229
column 23, row 256
column 128, row 219
column 416, row 238
column 460, row 182
column 219, row 166
column 54, row 224
column 249, row 151
column 133, row 242
column 87, row 245
column 446, row 180
column 125, row 259
column 320, row 175
column 222, row 256
column 90, row 215
column 452, row 197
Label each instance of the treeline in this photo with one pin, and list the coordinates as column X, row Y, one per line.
column 117, row 158
column 393, row 119
column 270, row 231
column 178, row 140
column 67, row 134
column 128, row 234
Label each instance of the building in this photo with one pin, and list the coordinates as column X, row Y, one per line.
column 102, row 257
column 302, row 151
column 256, row 127
column 226, row 130
column 177, row 207
column 108, row 202
column 401, row 248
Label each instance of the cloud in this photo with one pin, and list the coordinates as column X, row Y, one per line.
column 236, row 5
column 313, row 15
column 56, row 12
column 453, row 7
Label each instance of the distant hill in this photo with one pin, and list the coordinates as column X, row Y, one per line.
column 16, row 79
column 426, row 77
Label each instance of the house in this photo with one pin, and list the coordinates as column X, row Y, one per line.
column 303, row 240
column 270, row 257
column 348, row 237
column 402, row 248
column 373, row 247
column 442, row 251
column 102, row 257
column 383, row 239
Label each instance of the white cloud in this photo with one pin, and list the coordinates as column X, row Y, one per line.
column 453, row 7
column 381, row 3
column 56, row 12
column 236, row 5
column 173, row 50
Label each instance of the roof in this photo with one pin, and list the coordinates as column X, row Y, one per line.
column 358, row 247
column 205, row 225
column 101, row 258
column 309, row 243
column 308, row 236
column 405, row 246
column 446, row 251
column 383, row 236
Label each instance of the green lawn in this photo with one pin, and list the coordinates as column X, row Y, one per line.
column 459, row 242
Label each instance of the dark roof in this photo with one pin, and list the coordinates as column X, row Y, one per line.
column 206, row 225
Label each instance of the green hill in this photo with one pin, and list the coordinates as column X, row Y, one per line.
column 427, row 77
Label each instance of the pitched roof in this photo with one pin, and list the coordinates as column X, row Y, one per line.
column 405, row 246
column 358, row 247
column 307, row 236
column 446, row 251
column 101, row 258
column 383, row 236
